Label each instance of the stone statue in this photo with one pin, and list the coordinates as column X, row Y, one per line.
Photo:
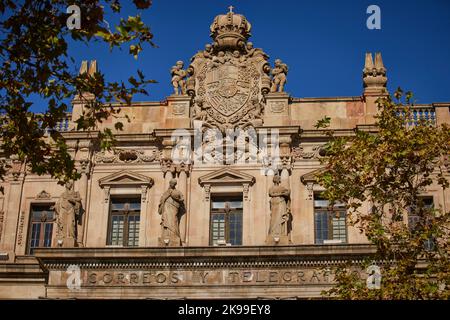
column 207, row 53
column 255, row 114
column 219, row 59
column 68, row 211
column 171, row 208
column 238, row 59
column 279, row 213
column 179, row 78
column 199, row 110
column 279, row 73
column 257, row 110
column 204, row 54
column 251, row 51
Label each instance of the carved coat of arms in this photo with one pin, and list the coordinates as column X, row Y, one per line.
column 228, row 87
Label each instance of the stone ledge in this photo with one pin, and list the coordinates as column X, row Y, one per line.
column 204, row 257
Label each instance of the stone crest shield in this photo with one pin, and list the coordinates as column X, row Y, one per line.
column 227, row 88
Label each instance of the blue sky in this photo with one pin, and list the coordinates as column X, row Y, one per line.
column 322, row 41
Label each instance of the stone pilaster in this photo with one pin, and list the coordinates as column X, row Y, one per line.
column 84, row 167
column 14, row 233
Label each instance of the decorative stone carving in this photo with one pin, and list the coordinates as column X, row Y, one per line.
column 21, row 224
column 229, row 77
column 310, row 189
column 2, row 214
column 256, row 112
column 255, row 51
column 167, row 165
column 279, row 73
column 16, row 167
column 245, row 189
column 85, row 165
column 106, row 192
column 178, row 108
column 43, row 195
column 207, row 188
column 171, row 208
column 299, row 153
column 374, row 74
column 280, row 213
column 125, row 178
column 68, row 211
column 144, row 189
column 277, row 106
column 127, row 156
column 199, row 110
column 230, row 30
column 179, row 78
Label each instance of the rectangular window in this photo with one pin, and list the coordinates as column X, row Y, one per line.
column 124, row 222
column 41, row 227
column 226, row 221
column 414, row 219
column 329, row 222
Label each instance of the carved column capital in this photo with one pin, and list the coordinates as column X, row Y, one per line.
column 167, row 166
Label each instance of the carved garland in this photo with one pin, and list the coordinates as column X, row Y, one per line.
column 126, row 156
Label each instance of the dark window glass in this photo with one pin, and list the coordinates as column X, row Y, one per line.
column 124, row 222
column 329, row 222
column 414, row 220
column 226, row 221
column 41, row 226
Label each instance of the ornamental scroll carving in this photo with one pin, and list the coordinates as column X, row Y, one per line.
column 299, row 153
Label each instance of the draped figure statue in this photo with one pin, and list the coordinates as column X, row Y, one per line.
column 171, row 208
column 280, row 213
column 68, row 211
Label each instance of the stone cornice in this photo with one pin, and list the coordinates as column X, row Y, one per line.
column 204, row 257
column 327, row 99
column 69, row 135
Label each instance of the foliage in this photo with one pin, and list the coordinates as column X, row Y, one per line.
column 390, row 170
column 34, row 61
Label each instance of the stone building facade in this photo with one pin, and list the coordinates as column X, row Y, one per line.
column 208, row 194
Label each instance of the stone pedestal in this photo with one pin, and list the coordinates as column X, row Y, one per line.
column 371, row 95
column 442, row 113
column 178, row 111
column 276, row 112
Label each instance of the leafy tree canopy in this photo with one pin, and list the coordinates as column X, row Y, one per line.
column 34, row 60
column 391, row 169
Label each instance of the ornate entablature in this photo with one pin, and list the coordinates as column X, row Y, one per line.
column 230, row 78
